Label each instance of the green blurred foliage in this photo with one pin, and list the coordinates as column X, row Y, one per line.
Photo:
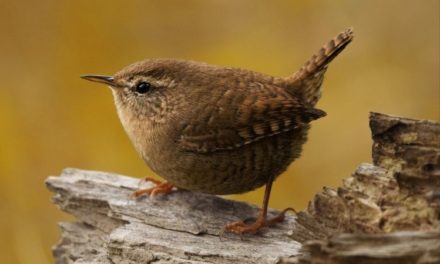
column 50, row 119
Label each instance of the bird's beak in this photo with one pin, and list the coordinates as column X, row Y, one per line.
column 100, row 78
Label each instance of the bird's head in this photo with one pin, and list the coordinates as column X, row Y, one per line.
column 146, row 88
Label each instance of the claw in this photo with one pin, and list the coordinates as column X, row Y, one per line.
column 161, row 187
column 241, row 228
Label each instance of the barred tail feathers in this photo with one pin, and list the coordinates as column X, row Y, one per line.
column 308, row 79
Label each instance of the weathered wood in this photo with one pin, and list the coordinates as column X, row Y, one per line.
column 182, row 227
column 380, row 203
column 392, row 248
column 398, row 192
column 366, row 220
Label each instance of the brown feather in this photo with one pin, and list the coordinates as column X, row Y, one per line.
column 307, row 81
column 258, row 118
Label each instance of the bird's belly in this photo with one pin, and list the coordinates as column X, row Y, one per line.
column 233, row 171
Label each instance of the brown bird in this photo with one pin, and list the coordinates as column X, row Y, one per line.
column 219, row 130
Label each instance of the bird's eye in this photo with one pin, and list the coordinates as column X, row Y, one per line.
column 143, row 87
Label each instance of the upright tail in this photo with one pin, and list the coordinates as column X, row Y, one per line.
column 307, row 81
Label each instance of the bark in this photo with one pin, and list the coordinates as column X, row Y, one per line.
column 388, row 211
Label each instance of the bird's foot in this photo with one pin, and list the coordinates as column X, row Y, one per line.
column 161, row 187
column 241, row 227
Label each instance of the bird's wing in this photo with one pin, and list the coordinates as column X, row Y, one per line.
column 250, row 118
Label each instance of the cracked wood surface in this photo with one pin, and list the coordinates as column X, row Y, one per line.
column 386, row 212
column 181, row 227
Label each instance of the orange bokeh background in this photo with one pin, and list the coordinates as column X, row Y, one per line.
column 51, row 119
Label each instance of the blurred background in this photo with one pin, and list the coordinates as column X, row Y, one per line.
column 51, row 119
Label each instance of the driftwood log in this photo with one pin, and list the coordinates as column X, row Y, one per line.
column 388, row 212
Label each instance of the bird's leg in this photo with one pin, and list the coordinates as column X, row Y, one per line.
column 161, row 187
column 153, row 180
column 241, row 228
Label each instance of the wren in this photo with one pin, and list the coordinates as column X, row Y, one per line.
column 219, row 130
